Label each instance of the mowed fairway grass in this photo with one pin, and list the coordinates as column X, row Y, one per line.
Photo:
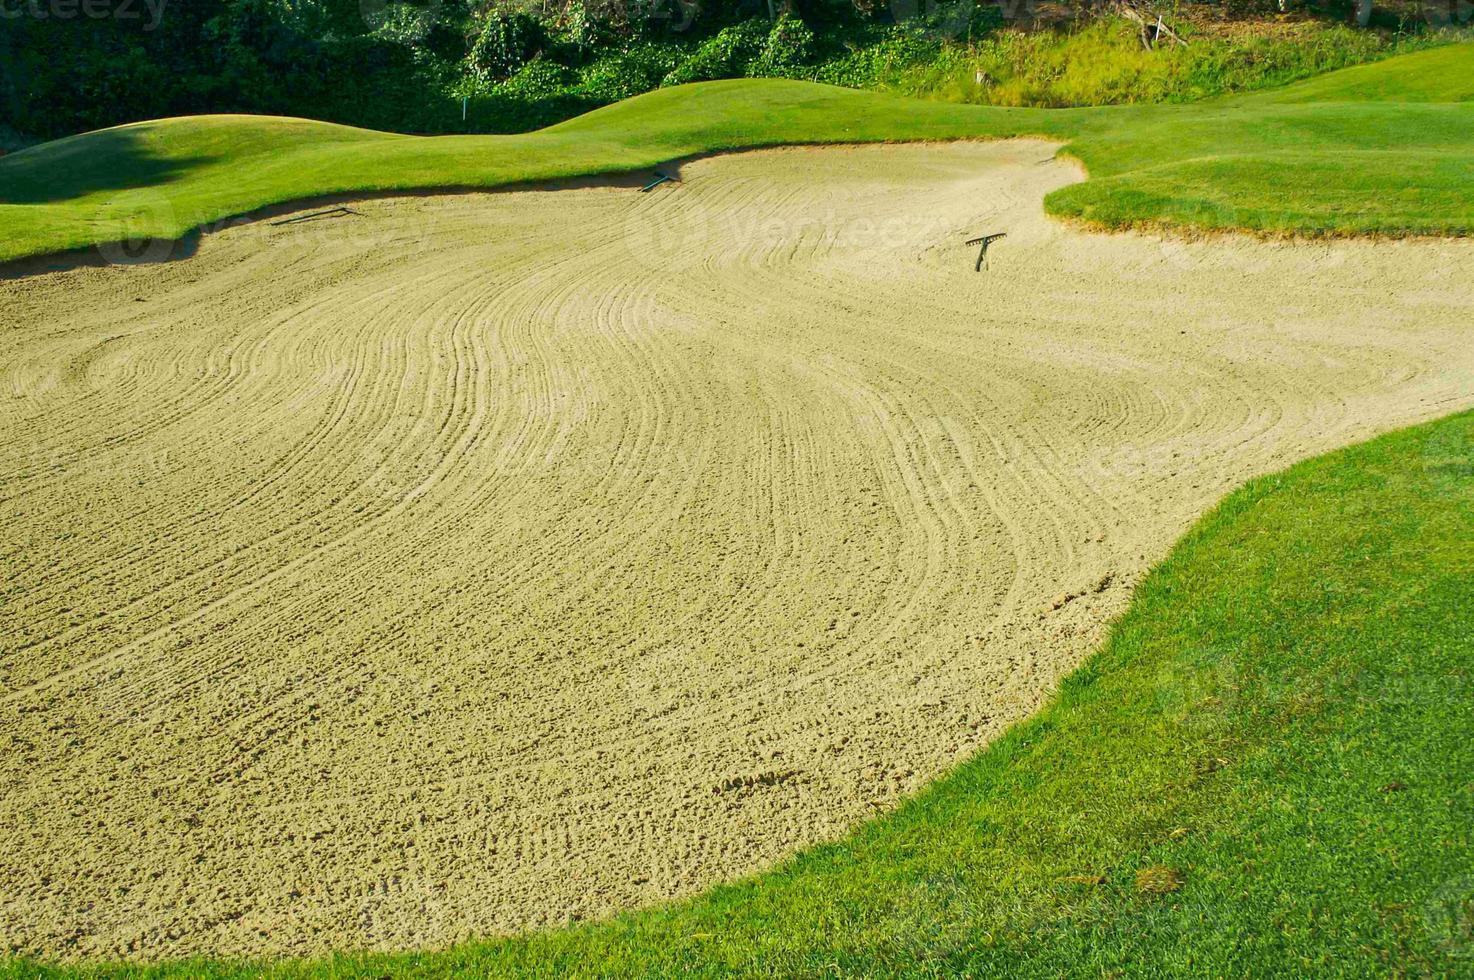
column 1385, row 148
column 1269, row 768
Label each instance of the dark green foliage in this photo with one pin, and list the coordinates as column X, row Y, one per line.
column 724, row 56
column 67, row 75
column 629, row 73
column 407, row 65
column 540, row 79
column 789, row 45
column 507, row 41
column 877, row 63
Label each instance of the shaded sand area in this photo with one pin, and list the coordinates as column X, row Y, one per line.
column 473, row 563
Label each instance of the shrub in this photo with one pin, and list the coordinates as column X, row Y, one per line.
column 577, row 28
column 401, row 23
column 631, row 72
column 508, row 40
column 725, row 55
column 539, row 79
column 788, row 46
column 873, row 65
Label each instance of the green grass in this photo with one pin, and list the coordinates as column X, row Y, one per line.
column 1103, row 62
column 1284, row 718
column 1383, row 148
column 1440, row 75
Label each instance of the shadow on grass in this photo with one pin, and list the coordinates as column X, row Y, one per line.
column 116, row 159
column 144, row 248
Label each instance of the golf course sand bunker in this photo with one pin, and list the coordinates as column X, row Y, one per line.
column 466, row 564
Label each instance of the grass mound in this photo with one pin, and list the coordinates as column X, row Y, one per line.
column 1375, row 149
column 1337, row 154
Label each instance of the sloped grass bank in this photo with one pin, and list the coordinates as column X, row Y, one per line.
column 1384, row 148
column 1269, row 769
column 1103, row 62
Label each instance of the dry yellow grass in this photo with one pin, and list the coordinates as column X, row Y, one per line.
column 478, row 562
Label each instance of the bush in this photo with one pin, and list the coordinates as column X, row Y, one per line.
column 724, row 56
column 577, row 28
column 539, row 79
column 401, row 23
column 876, row 64
column 507, row 42
column 631, row 72
column 789, row 45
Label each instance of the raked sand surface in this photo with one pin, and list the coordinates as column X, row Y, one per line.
column 472, row 563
